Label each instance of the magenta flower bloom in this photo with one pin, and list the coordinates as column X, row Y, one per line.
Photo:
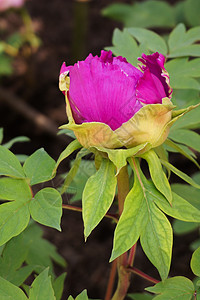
column 109, row 91
column 6, row 4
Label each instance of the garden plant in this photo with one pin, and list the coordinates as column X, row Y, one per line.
column 131, row 106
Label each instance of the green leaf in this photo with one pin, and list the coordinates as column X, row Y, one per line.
column 181, row 42
column 9, row 164
column 189, row 193
column 82, row 296
column 195, row 262
column 140, row 296
column 14, row 189
column 179, row 173
column 125, row 45
column 39, row 167
column 69, row 150
column 117, row 11
column 191, row 11
column 179, row 288
column 14, row 218
column 46, row 208
column 98, row 195
column 74, row 169
column 189, row 120
column 10, row 291
column 1, row 135
column 187, row 137
column 58, row 286
column 152, row 40
column 5, row 65
column 183, row 73
column 156, row 240
column 119, row 156
column 132, row 221
column 18, row 139
column 181, row 227
column 157, row 174
column 41, row 287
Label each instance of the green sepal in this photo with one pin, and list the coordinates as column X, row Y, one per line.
column 74, row 145
column 157, row 174
column 98, row 195
column 179, row 287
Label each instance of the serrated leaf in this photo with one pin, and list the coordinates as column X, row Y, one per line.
column 39, row 167
column 14, row 218
column 187, row 137
column 14, row 189
column 152, row 40
column 9, row 164
column 191, row 11
column 156, row 240
column 157, row 174
column 41, row 287
column 181, row 43
column 132, row 221
column 179, row 173
column 183, row 73
column 46, row 207
column 58, row 286
column 179, row 288
column 195, row 262
column 10, row 291
column 69, row 150
column 98, row 195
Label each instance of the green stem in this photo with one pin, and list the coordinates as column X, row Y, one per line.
column 122, row 261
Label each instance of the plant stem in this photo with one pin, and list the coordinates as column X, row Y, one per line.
column 122, row 261
column 111, row 280
column 142, row 274
column 114, row 217
column 132, row 255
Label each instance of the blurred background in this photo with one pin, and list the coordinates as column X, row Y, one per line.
column 35, row 39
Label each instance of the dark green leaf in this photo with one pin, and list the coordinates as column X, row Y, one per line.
column 117, row 11
column 195, row 262
column 18, row 139
column 140, row 296
column 179, row 288
column 46, row 207
column 9, row 164
column 187, row 137
column 41, row 287
column 189, row 193
column 189, row 120
column 98, row 195
column 39, row 167
column 10, row 291
column 181, row 227
column 191, row 10
column 1, row 135
column 5, row 65
column 58, row 286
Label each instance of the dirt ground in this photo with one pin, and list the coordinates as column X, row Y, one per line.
column 35, row 82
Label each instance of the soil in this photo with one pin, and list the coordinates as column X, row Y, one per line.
column 35, row 82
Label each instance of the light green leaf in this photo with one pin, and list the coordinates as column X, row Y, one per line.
column 179, row 288
column 119, row 156
column 58, row 286
column 46, row 208
column 183, row 73
column 82, row 296
column 132, row 221
column 14, row 218
column 181, row 43
column 10, row 291
column 125, row 45
column 39, row 167
column 152, row 40
column 18, row 139
column 14, row 189
column 41, row 287
column 195, row 262
column 156, row 240
column 157, row 174
column 191, row 11
column 179, row 173
column 69, row 150
column 187, row 137
column 98, row 195
column 74, row 169
column 9, row 164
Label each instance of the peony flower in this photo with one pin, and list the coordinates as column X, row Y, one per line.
column 6, row 4
column 111, row 103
